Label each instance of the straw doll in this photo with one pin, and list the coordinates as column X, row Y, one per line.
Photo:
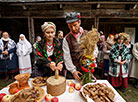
column 88, row 43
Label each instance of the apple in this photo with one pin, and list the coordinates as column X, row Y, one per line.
column 6, row 98
column 70, row 83
column 55, row 99
column 77, row 86
column 48, row 97
column 71, row 89
column 73, row 85
column 1, row 96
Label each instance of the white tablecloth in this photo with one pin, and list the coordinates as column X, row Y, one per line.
column 75, row 96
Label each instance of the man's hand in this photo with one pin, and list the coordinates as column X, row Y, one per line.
column 53, row 66
column 76, row 75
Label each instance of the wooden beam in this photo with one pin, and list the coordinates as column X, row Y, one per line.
column 101, row 13
column 46, row 14
column 96, row 22
column 14, row 17
column 118, row 22
column 118, row 17
column 31, row 30
column 78, row 3
column 114, row 13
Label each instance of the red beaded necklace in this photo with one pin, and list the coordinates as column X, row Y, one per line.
column 49, row 46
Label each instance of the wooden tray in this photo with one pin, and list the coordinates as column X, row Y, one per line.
column 41, row 92
column 37, row 85
column 81, row 90
column 23, row 76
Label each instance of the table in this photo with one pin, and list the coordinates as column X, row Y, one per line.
column 75, row 96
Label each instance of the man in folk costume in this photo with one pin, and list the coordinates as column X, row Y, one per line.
column 118, row 70
column 24, row 48
column 134, row 70
column 8, row 58
column 71, row 45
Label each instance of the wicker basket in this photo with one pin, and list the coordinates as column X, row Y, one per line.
column 56, row 85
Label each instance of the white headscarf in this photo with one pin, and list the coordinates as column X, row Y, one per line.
column 24, row 46
column 5, row 39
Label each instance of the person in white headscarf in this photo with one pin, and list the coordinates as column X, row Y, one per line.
column 24, row 48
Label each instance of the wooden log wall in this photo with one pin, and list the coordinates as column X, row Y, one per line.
column 55, row 10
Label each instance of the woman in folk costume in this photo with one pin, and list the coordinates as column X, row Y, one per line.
column 35, row 72
column 49, row 51
column 88, row 61
column 8, row 58
column 128, row 44
column 24, row 48
column 118, row 70
column 106, row 49
column 134, row 70
column 100, row 45
column 38, row 38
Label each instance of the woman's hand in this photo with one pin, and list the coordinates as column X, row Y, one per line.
column 53, row 66
column 60, row 66
column 5, row 52
column 122, row 62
